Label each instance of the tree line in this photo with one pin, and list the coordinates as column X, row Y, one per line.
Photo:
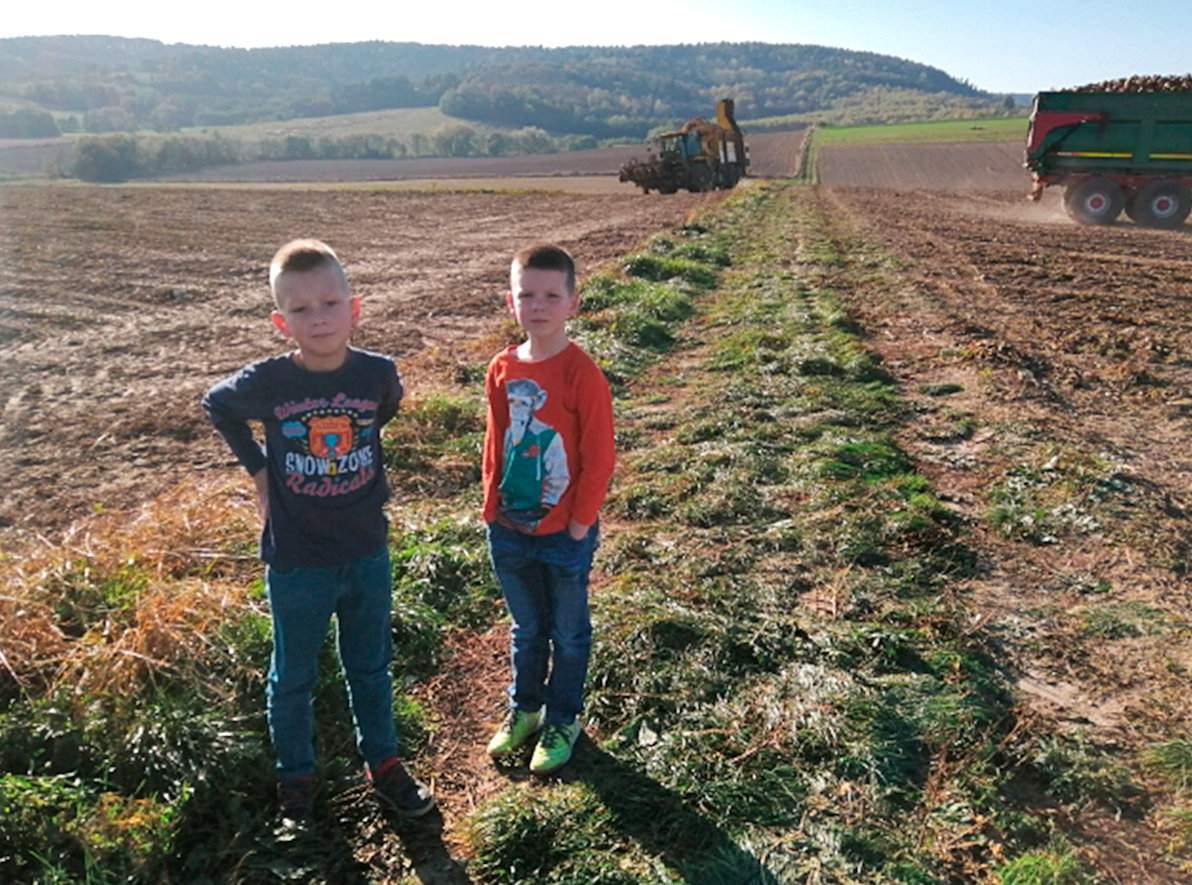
column 121, row 157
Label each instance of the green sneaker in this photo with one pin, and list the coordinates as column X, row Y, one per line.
column 554, row 747
column 514, row 732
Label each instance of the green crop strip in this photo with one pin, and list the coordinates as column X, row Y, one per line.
column 936, row 131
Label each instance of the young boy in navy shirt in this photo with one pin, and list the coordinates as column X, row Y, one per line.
column 320, row 489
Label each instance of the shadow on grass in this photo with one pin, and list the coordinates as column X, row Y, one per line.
column 663, row 823
column 352, row 840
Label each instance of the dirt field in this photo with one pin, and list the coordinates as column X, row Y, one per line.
column 984, row 167
column 118, row 307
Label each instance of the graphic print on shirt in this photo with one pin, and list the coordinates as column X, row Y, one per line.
column 534, row 472
column 330, row 449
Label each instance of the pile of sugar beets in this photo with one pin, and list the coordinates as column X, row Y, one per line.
column 1182, row 83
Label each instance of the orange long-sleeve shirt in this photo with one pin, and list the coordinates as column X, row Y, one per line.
column 548, row 447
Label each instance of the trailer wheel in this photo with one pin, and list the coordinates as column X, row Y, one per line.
column 1095, row 201
column 1163, row 204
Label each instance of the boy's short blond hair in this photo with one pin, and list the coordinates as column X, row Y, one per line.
column 545, row 256
column 302, row 255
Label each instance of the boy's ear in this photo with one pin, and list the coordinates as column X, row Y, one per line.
column 509, row 299
column 355, row 310
column 279, row 323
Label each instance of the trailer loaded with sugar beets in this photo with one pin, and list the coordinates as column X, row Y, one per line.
column 701, row 156
column 1126, row 144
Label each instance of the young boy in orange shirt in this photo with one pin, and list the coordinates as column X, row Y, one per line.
column 548, row 458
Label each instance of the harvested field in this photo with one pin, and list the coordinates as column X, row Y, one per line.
column 597, row 162
column 993, row 166
column 1048, row 372
column 774, row 154
column 118, row 307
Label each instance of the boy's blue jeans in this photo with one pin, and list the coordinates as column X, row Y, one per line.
column 302, row 601
column 544, row 579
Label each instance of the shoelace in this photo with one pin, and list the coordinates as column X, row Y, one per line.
column 552, row 735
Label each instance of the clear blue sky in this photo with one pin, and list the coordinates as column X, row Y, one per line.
column 1007, row 46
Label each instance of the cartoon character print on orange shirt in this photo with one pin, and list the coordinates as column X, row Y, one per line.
column 535, row 473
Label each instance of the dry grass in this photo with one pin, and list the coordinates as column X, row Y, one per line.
column 146, row 587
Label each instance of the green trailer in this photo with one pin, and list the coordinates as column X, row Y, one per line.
column 1114, row 151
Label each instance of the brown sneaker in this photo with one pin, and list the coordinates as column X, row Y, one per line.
column 394, row 786
column 296, row 798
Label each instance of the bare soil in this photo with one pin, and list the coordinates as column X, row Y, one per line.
column 120, row 306
column 994, row 166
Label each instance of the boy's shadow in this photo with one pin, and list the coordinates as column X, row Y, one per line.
column 660, row 820
column 422, row 839
column 353, row 815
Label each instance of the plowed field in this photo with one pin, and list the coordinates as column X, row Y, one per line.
column 118, row 307
column 1048, row 373
column 993, row 166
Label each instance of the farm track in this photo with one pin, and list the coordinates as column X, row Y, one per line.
column 118, row 307
column 1068, row 355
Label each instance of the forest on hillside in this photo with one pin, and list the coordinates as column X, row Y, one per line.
column 109, row 84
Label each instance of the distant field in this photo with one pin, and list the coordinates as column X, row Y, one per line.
column 395, row 123
column 991, row 166
column 996, row 129
column 772, row 154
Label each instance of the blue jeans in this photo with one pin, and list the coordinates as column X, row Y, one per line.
column 302, row 601
column 544, row 579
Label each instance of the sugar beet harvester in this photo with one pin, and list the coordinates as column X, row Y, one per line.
column 701, row 156
column 1114, row 151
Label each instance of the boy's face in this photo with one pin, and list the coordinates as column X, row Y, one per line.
column 315, row 308
column 541, row 301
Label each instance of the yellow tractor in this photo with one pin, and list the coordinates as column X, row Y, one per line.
column 700, row 156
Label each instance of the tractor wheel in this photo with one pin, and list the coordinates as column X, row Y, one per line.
column 1095, row 201
column 699, row 178
column 1163, row 204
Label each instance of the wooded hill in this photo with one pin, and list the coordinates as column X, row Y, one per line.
column 107, row 84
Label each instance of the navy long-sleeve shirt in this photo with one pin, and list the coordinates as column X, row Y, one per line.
column 322, row 452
